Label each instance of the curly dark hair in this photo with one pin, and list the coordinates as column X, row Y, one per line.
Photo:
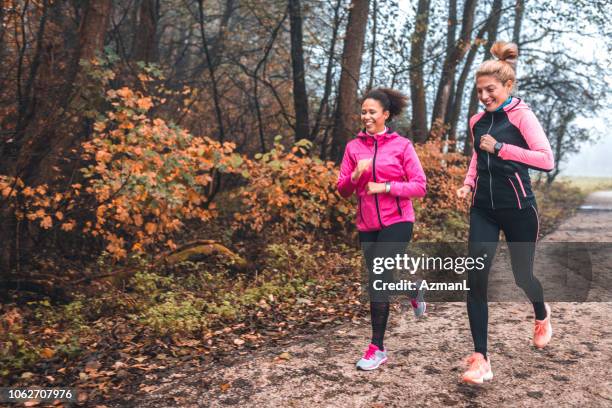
column 391, row 100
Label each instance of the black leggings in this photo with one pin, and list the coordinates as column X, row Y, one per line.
column 387, row 242
column 519, row 226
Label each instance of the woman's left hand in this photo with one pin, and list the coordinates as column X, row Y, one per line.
column 375, row 188
column 487, row 143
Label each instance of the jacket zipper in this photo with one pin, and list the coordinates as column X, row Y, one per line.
column 399, row 209
column 374, row 176
column 475, row 191
column 488, row 164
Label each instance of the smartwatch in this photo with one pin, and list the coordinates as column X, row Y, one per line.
column 387, row 187
column 498, row 146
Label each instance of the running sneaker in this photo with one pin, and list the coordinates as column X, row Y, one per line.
column 372, row 358
column 543, row 331
column 479, row 369
column 418, row 302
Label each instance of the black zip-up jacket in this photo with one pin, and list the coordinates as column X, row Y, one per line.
column 502, row 181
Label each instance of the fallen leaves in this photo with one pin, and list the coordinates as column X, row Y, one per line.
column 47, row 353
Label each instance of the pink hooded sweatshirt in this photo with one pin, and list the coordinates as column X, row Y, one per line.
column 394, row 160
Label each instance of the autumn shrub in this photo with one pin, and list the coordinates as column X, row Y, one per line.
column 149, row 176
column 144, row 179
column 441, row 215
column 292, row 193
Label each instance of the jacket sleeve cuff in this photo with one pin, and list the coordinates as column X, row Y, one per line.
column 469, row 183
column 503, row 152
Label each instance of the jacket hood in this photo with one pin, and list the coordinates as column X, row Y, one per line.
column 515, row 103
column 389, row 134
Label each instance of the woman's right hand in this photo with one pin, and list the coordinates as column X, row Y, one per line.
column 464, row 191
column 362, row 165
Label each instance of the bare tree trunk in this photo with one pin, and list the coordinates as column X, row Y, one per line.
column 519, row 8
column 144, row 44
column 256, row 80
column 93, row 28
column 451, row 39
column 218, row 45
column 450, row 66
column 41, row 153
column 491, row 24
column 349, row 78
column 473, row 107
column 417, row 82
column 373, row 48
column 324, row 106
column 211, row 72
column 26, row 100
column 300, row 97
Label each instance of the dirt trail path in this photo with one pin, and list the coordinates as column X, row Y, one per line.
column 425, row 356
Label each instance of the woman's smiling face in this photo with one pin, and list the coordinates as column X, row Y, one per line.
column 373, row 116
column 491, row 92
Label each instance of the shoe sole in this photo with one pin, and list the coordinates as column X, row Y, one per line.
column 373, row 368
column 487, row 377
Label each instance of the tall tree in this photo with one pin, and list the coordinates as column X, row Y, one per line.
column 40, row 153
column 417, row 82
column 451, row 39
column 144, row 45
column 373, row 47
column 331, row 58
column 519, row 8
column 300, row 97
column 449, row 68
column 491, row 24
column 211, row 72
column 349, row 78
column 493, row 28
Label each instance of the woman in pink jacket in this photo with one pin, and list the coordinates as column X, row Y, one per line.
column 382, row 169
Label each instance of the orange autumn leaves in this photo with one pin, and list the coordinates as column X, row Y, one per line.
column 148, row 176
column 144, row 179
column 292, row 191
column 37, row 204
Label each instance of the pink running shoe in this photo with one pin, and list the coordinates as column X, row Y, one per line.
column 372, row 358
column 543, row 331
column 479, row 369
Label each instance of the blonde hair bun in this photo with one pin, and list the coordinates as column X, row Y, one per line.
column 505, row 51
